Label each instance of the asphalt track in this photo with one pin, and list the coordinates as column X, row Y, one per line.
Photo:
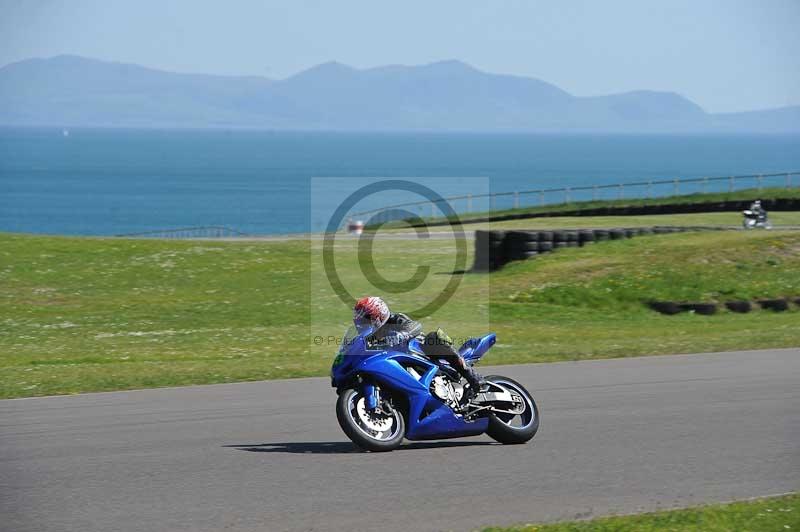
column 617, row 436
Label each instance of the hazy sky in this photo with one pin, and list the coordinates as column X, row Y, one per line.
column 725, row 55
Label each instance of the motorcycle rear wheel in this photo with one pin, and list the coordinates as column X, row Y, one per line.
column 367, row 430
column 503, row 427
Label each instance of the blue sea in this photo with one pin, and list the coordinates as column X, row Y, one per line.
column 108, row 181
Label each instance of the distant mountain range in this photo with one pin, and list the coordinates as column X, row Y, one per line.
column 71, row 91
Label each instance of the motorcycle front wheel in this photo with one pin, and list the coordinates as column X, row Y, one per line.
column 372, row 431
column 514, row 428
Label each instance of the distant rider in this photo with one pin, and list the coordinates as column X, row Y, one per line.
column 394, row 329
column 758, row 210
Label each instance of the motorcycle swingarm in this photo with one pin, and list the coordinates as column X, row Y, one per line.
column 486, row 403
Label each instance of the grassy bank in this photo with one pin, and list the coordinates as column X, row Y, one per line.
column 80, row 314
column 732, row 218
column 763, row 515
column 720, row 219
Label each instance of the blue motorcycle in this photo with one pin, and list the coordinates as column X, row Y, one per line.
column 390, row 393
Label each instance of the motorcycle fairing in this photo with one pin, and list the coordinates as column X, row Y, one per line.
column 428, row 417
column 474, row 348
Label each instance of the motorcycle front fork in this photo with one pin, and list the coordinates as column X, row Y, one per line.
column 371, row 395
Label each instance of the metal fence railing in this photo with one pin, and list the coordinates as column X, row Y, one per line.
column 650, row 189
column 206, row 231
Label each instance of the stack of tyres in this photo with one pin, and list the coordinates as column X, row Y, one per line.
column 481, row 251
column 521, row 245
column 559, row 239
column 631, row 232
column 572, row 239
column 545, row 241
column 586, row 237
column 600, row 235
column 616, row 234
column 496, row 249
column 489, row 250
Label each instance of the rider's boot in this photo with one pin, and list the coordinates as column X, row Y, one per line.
column 475, row 382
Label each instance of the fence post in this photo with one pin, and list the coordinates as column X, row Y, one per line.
column 541, row 197
column 516, row 200
column 675, row 187
column 566, row 195
column 760, row 182
column 788, row 180
column 491, row 202
column 730, row 184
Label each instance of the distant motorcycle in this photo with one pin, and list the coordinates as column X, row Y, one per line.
column 753, row 220
column 390, row 393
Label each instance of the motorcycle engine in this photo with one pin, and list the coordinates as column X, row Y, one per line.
column 446, row 390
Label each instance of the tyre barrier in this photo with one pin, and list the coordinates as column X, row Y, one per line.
column 489, row 250
column 521, row 245
column 616, row 234
column 495, row 248
column 777, row 305
column 665, row 307
column 600, row 234
column 741, row 307
column 585, row 237
column 707, row 309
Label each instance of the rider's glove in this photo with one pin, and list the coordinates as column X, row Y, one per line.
column 394, row 338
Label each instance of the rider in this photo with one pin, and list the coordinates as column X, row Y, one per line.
column 758, row 210
column 391, row 329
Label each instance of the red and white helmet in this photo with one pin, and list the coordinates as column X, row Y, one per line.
column 371, row 310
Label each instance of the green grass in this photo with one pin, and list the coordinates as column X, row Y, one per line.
column 722, row 219
column 763, row 515
column 732, row 218
column 685, row 267
column 84, row 314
